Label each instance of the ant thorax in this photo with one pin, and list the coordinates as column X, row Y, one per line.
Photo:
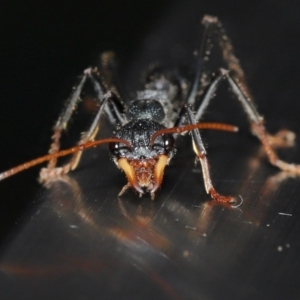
column 162, row 94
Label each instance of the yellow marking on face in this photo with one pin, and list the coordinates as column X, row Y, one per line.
column 130, row 173
column 159, row 171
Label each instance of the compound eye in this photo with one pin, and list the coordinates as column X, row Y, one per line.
column 114, row 148
column 168, row 142
column 118, row 149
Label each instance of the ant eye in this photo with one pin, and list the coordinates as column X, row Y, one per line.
column 114, row 148
column 168, row 142
column 118, row 149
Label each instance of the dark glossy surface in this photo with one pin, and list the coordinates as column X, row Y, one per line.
column 80, row 241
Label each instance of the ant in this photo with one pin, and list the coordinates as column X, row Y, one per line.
column 143, row 143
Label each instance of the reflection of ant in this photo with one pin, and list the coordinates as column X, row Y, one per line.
column 139, row 226
column 145, row 236
column 143, row 144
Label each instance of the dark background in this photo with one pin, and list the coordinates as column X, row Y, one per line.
column 45, row 46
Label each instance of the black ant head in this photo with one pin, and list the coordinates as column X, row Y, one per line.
column 144, row 162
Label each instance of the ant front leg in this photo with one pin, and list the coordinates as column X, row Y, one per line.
column 63, row 120
column 51, row 172
column 200, row 151
column 116, row 109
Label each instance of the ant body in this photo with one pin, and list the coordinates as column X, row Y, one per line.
column 143, row 144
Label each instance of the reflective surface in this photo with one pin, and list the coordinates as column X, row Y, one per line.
column 80, row 241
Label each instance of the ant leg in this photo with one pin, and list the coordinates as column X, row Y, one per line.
column 101, row 87
column 115, row 107
column 109, row 82
column 232, row 62
column 200, row 151
column 283, row 138
column 108, row 68
column 51, row 173
column 209, row 94
column 115, row 111
column 62, row 122
column 202, row 78
column 258, row 129
column 237, row 81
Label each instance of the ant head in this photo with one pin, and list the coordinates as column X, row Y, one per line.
column 144, row 162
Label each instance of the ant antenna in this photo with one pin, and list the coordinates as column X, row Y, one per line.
column 61, row 153
column 180, row 129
